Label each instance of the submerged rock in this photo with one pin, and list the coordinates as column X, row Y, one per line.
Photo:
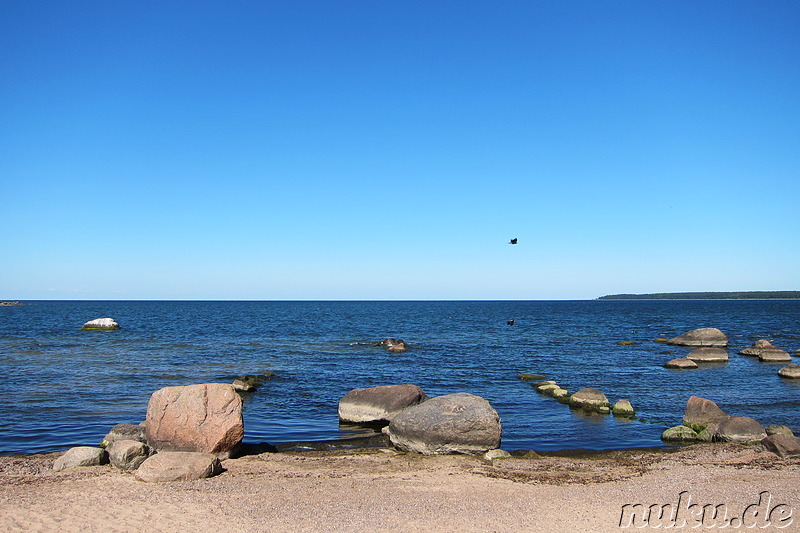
column 710, row 337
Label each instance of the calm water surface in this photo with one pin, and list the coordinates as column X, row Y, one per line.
column 62, row 387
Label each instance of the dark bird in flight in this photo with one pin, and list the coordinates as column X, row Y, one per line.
column 513, row 241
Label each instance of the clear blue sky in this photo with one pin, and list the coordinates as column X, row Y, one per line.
column 389, row 150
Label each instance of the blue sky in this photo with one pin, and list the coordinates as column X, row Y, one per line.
column 389, row 150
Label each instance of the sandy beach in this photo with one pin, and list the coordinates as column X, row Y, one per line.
column 383, row 490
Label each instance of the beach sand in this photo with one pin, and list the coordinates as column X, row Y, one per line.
column 383, row 490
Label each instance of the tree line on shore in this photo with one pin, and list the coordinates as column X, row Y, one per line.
column 745, row 295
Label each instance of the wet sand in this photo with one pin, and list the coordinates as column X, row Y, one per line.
column 382, row 490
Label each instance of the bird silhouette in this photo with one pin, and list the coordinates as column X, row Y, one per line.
column 513, row 241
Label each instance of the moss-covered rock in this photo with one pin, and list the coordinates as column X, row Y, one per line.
column 679, row 434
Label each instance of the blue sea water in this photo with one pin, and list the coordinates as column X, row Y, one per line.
column 62, row 387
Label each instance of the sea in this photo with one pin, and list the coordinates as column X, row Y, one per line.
column 63, row 387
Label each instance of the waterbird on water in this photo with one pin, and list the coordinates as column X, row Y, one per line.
column 513, row 241
column 510, row 322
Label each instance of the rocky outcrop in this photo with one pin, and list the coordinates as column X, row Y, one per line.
column 741, row 429
column 203, row 418
column 124, row 432
column 708, row 337
column 783, row 445
column 81, row 456
column 708, row 355
column 178, row 466
column 100, row 324
column 127, row 454
column 454, row 423
column 375, row 404
column 790, row 371
column 681, row 363
column 590, row 399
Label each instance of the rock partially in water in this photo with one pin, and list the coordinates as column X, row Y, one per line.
column 757, row 347
column 708, row 355
column 775, row 355
column 530, row 377
column 708, row 337
column 590, row 399
column 700, row 413
column 250, row 383
column 100, row 324
column 623, row 408
column 453, row 423
column 681, row 362
column 203, row 418
column 790, row 371
column 376, row 404
column 679, row 434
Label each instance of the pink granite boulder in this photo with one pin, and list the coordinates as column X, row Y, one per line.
column 204, row 418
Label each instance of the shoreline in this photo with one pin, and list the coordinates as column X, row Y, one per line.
column 379, row 489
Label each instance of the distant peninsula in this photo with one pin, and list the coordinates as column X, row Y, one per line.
column 748, row 295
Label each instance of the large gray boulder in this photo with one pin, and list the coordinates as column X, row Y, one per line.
column 590, row 399
column 376, row 404
column 204, row 418
column 783, row 445
column 708, row 355
column 711, row 337
column 127, row 454
column 178, row 466
column 101, row 324
column 454, row 423
column 700, row 413
column 741, row 429
column 81, row 456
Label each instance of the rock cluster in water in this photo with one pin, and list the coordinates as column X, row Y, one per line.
column 704, row 421
column 586, row 399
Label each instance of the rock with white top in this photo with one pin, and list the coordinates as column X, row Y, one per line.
column 102, row 324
